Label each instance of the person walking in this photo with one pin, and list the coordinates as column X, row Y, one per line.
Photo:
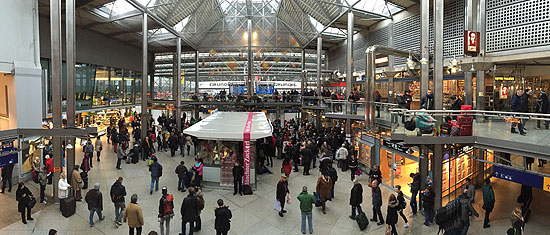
column 333, row 174
column 166, row 211
column 415, row 188
column 323, row 188
column 307, row 156
column 42, row 180
column 222, row 224
column 89, row 150
column 465, row 210
column 391, row 214
column 98, row 147
column 198, row 221
column 94, row 198
column 428, row 197
column 7, row 171
column 306, row 206
column 134, row 216
column 402, row 205
column 238, row 173
column 287, row 166
column 174, row 144
column 156, row 172
column 24, row 197
column 543, row 107
column 181, row 143
column 189, row 211
column 518, row 222
column 120, row 155
column 488, row 201
column 356, row 198
column 353, row 164
column 117, row 193
column 376, row 203
column 341, row 155
column 281, row 193
column 183, row 174
column 77, row 183
column 375, row 175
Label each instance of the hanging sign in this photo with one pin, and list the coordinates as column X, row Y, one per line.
column 520, row 177
column 505, row 78
column 471, row 41
column 503, row 93
column 246, row 149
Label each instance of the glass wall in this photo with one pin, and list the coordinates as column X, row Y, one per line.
column 137, row 87
column 128, row 87
column 396, row 167
column 455, row 171
column 85, row 76
column 101, row 91
column 115, row 87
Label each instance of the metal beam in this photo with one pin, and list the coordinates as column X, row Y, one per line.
column 177, row 83
column 145, row 63
column 304, row 72
column 250, row 58
column 117, row 18
column 424, row 45
column 55, row 29
column 349, row 55
column 438, row 54
column 197, row 73
column 71, row 49
column 319, row 54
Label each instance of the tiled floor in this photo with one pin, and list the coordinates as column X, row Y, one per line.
column 251, row 214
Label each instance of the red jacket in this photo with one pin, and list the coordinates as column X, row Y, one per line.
column 287, row 168
column 49, row 165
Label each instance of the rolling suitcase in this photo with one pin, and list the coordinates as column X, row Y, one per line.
column 362, row 220
column 465, row 124
column 68, row 205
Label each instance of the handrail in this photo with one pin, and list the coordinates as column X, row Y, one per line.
column 484, row 113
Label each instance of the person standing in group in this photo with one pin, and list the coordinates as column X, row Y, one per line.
column 181, row 143
column 77, row 183
column 49, row 166
column 415, row 188
column 63, row 186
column 6, row 177
column 222, row 224
column 94, row 198
column 166, row 211
column 98, row 147
column 198, row 221
column 428, row 197
column 306, row 206
column 23, row 196
column 376, row 203
column 307, row 155
column 375, row 174
column 183, row 174
column 543, row 107
column 402, row 205
column 341, row 155
column 189, row 211
column 174, row 144
column 197, row 172
column 287, row 166
column 156, row 172
column 356, row 198
column 516, row 106
column 488, row 201
column 465, row 210
column 89, row 149
column 353, row 164
column 391, row 214
column 323, row 188
column 42, row 180
column 238, row 173
column 281, row 193
column 117, row 193
column 134, row 216
column 120, row 155
column 427, row 101
column 333, row 174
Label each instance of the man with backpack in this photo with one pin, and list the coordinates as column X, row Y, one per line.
column 183, row 174
column 402, row 205
column 118, row 191
column 156, row 172
column 166, row 210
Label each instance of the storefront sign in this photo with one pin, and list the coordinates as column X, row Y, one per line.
column 471, row 41
column 520, row 177
column 505, row 78
column 465, row 150
column 246, row 149
column 369, row 139
column 10, row 158
column 503, row 93
column 393, row 145
column 226, row 84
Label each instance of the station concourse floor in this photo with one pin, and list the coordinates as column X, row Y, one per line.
column 251, row 214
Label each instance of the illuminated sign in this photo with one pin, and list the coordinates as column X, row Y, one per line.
column 505, row 78
column 471, row 41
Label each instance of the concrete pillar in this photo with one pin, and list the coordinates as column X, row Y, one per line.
column 424, row 45
column 144, row 116
column 438, row 54
column 55, row 29
column 437, row 170
column 71, row 55
column 470, row 17
column 349, row 55
column 304, row 74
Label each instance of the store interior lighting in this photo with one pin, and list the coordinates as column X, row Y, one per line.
column 410, row 62
column 424, row 61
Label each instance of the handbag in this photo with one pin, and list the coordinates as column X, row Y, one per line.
column 277, row 206
column 32, row 202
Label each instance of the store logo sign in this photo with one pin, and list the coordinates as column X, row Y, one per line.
column 471, row 41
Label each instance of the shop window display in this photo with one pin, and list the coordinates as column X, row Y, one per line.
column 396, row 166
column 455, row 171
column 222, row 155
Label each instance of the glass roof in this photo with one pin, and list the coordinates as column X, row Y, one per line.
column 120, row 7
column 378, row 6
column 329, row 31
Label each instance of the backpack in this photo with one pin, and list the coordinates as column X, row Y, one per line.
column 410, row 125
column 448, row 217
column 168, row 205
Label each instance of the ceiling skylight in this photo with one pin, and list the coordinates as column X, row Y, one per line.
column 120, row 7
column 378, row 6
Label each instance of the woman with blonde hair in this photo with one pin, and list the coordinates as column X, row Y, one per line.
column 391, row 217
column 63, row 186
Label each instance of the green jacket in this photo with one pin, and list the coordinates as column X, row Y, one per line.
column 306, row 201
column 488, row 197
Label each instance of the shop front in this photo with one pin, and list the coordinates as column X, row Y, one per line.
column 397, row 162
column 367, row 150
column 457, row 166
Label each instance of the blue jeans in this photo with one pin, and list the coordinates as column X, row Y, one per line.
column 465, row 226
column 332, row 192
column 354, row 106
column 191, row 227
column 308, row 215
column 181, row 184
column 119, row 211
column 359, row 211
column 428, row 216
column 92, row 211
column 414, row 203
column 153, row 180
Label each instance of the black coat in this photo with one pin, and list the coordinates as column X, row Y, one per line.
column 189, row 208
column 428, row 200
column 282, row 190
column 23, row 202
column 427, row 102
column 376, row 175
column 182, row 171
column 542, row 104
column 356, row 197
column 94, row 198
column 307, row 155
column 401, row 200
column 7, row 171
column 524, row 103
column 376, row 196
column 118, row 191
column 223, row 219
column 238, row 172
column 391, row 216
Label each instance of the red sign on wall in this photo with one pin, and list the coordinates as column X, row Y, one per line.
column 471, row 42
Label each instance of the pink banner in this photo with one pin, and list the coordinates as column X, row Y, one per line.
column 246, row 149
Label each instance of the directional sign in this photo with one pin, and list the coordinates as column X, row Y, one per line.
column 520, row 177
column 546, row 185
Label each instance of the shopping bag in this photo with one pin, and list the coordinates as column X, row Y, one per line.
column 288, row 199
column 277, row 206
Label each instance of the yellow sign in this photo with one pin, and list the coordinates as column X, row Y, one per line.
column 505, row 78
column 546, row 185
column 481, row 93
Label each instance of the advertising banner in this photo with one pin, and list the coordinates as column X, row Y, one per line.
column 246, row 149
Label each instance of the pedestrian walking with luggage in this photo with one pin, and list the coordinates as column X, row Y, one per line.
column 306, row 206
column 134, row 216
column 238, row 173
column 323, row 188
column 94, row 198
column 183, row 174
column 98, row 147
column 156, row 172
column 24, row 202
column 77, row 183
column 281, row 193
column 376, row 203
column 117, row 193
column 222, row 224
column 391, row 214
column 356, row 198
column 166, row 211
column 402, row 205
column 189, row 211
column 488, row 201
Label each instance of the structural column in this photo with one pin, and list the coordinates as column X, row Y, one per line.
column 144, row 116
column 197, row 73
column 437, row 168
column 480, row 75
column 349, row 55
column 319, row 54
column 391, row 60
column 70, row 37
column 469, row 19
column 177, row 84
column 250, row 87
column 438, row 55
column 304, row 73
column 424, row 45
column 55, row 29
